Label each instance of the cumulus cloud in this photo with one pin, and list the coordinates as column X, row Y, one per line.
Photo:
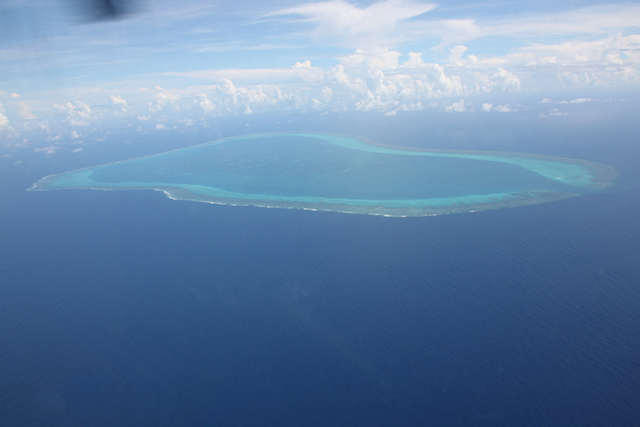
column 614, row 51
column 376, row 79
column 225, row 96
column 573, row 101
column 557, row 112
column 77, row 113
column 504, row 108
column 609, row 56
column 576, row 101
column 610, row 61
column 455, row 56
column 24, row 111
column 4, row 120
column 5, row 128
column 117, row 100
column 579, row 47
column 205, row 103
column 456, row 107
column 379, row 79
column 47, row 150
column 162, row 98
column 20, row 144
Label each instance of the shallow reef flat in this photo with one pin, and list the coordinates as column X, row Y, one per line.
column 341, row 173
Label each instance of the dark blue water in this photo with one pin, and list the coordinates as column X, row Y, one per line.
column 129, row 309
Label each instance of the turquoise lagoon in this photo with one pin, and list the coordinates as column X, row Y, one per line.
column 345, row 174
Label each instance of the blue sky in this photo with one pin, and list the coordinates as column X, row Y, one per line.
column 178, row 64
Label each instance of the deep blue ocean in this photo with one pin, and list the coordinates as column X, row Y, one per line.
column 130, row 309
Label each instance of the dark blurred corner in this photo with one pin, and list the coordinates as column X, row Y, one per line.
column 102, row 10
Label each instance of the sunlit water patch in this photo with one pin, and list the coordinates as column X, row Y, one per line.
column 344, row 174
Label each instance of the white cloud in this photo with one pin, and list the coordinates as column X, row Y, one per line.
column 453, row 31
column 21, row 144
column 573, row 101
column 456, row 107
column 225, row 96
column 4, row 120
column 5, row 128
column 78, row 113
column 379, row 58
column 47, row 150
column 117, row 100
column 504, row 108
column 366, row 80
column 341, row 23
column 387, row 23
column 610, row 51
column 610, row 61
column 205, row 103
column 576, row 101
column 76, row 150
column 556, row 112
column 601, row 19
column 24, row 111
column 579, row 47
column 596, row 20
column 456, row 53
column 162, row 98
column 378, row 78
column 75, row 135
column 44, row 125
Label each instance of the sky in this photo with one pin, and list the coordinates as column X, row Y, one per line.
column 173, row 65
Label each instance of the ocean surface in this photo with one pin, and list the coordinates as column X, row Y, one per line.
column 130, row 309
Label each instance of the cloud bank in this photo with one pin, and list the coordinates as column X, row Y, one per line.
column 392, row 56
